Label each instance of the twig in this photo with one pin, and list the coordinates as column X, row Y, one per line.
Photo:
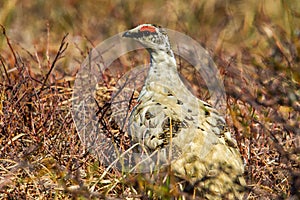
column 61, row 50
column 47, row 49
column 5, row 71
column 8, row 42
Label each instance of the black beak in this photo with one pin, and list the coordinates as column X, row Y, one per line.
column 132, row 34
column 127, row 34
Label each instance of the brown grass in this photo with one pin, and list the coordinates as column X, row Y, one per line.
column 255, row 45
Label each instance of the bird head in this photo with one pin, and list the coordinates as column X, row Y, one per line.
column 150, row 36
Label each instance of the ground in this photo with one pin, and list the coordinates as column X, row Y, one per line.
column 255, row 45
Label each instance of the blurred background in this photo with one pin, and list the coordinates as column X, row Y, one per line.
column 254, row 43
column 221, row 26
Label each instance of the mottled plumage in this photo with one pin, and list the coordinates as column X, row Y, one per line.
column 167, row 114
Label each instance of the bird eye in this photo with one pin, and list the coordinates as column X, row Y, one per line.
column 146, row 33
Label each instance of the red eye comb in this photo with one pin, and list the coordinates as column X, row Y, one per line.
column 148, row 28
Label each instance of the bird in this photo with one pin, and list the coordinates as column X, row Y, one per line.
column 184, row 130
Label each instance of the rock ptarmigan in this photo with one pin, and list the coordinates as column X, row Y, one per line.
column 167, row 113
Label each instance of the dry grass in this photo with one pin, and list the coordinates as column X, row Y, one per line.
column 255, row 45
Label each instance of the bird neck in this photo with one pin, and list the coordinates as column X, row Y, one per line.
column 163, row 76
column 163, row 67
